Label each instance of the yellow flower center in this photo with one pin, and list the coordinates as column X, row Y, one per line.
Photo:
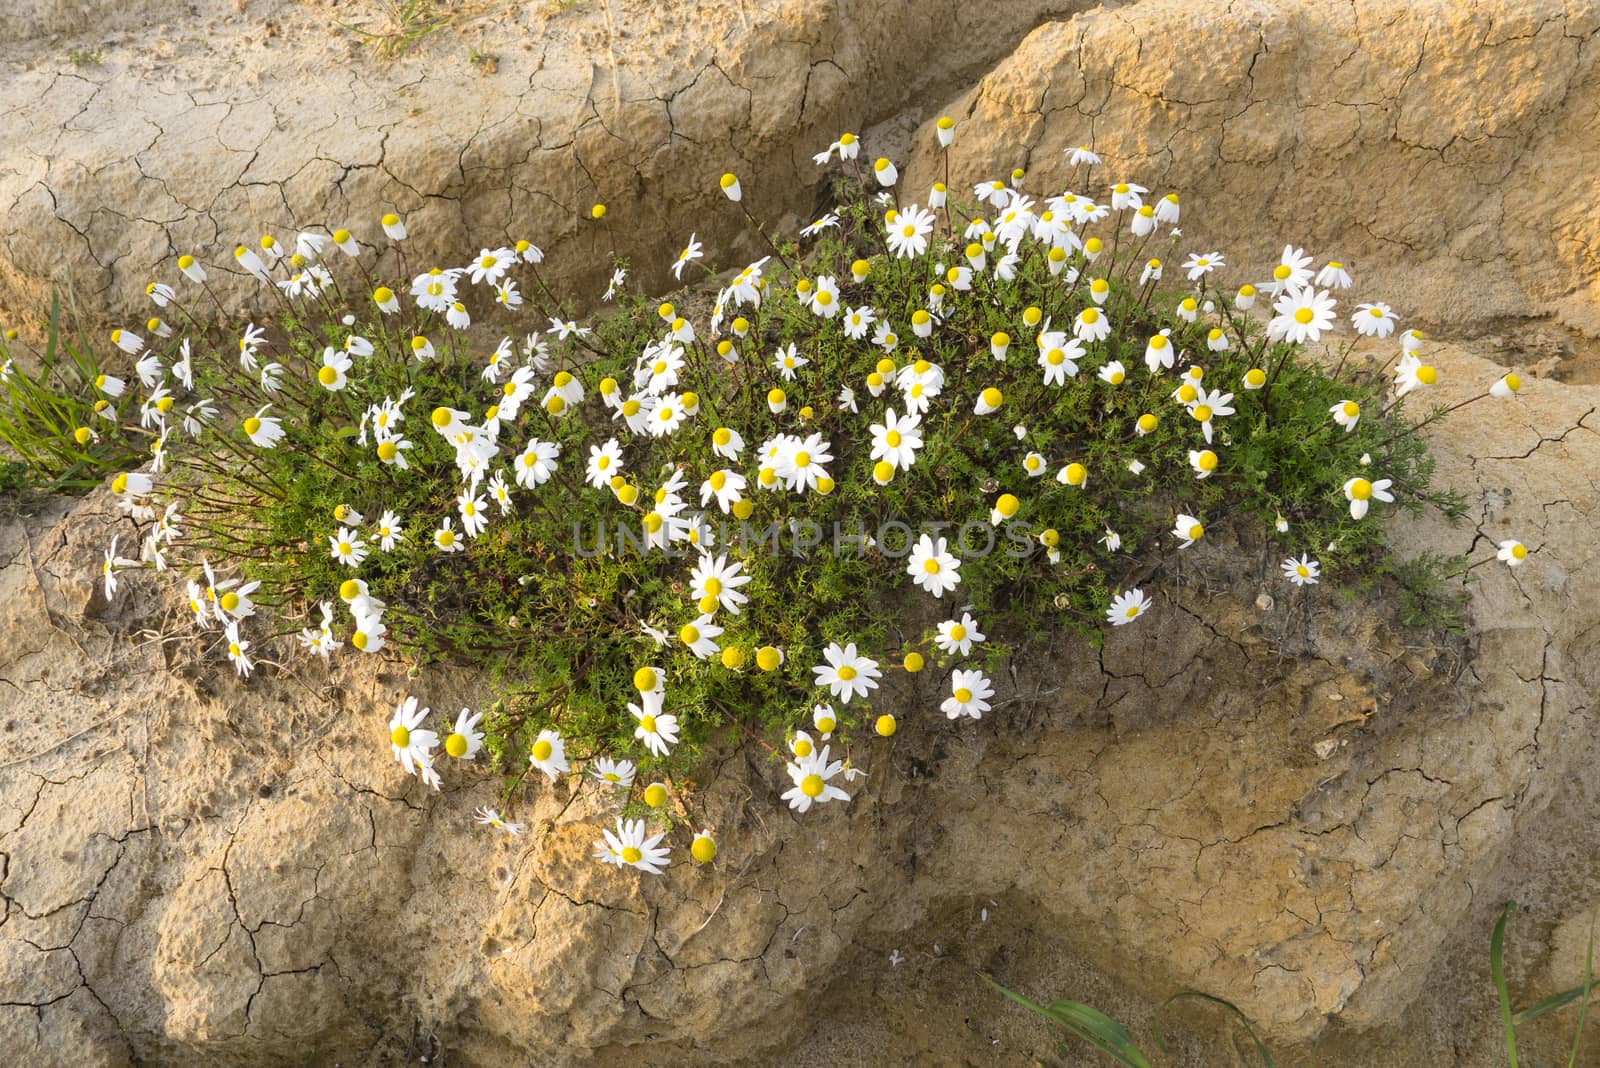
column 958, row 633
column 1206, row 461
column 631, row 855
column 811, row 785
column 802, row 747
column 847, row 673
column 327, row 376
column 1202, row 413
column 1281, row 272
column 400, row 736
column 456, row 745
column 963, row 695
column 1196, row 531
column 931, row 567
column 1303, row 316
column 251, row 425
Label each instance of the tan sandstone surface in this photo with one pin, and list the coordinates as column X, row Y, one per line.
column 1304, row 808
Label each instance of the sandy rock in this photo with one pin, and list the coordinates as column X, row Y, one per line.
column 1448, row 152
column 207, row 132
column 1160, row 800
column 195, row 872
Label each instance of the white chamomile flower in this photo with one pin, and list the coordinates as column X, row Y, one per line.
column 1187, row 529
column 846, row 673
column 656, row 729
column 691, row 252
column 970, row 695
column 810, row 775
column 858, row 321
column 958, row 636
column 788, row 361
column 701, row 637
column 1512, row 552
column 1346, row 413
column 1198, row 265
column 825, row 720
column 1091, row 325
column 334, row 370
column 1302, row 570
column 1334, row 276
column 628, row 846
column 1360, row 492
column 464, row 739
column 549, row 754
column 1302, row 316
column 1373, row 320
column 445, row 538
column 1411, row 373
column 490, row 818
column 932, row 567
column 897, row 439
column 616, row 772
column 718, row 580
column 411, row 743
column 605, row 463
column 1292, row 272
column 474, row 515
column 347, row 547
column 1126, row 607
column 907, row 236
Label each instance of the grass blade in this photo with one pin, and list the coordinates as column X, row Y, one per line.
column 1497, row 968
column 1588, row 984
column 1087, row 1023
column 1266, row 1057
column 1553, row 1002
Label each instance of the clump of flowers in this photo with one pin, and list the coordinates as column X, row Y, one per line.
column 918, row 423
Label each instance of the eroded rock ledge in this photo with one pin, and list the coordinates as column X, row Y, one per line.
column 1292, row 807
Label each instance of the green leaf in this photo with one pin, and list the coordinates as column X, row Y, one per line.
column 1497, row 968
column 1266, row 1057
column 1087, row 1023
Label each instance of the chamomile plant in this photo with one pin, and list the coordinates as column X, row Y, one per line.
column 920, row 422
